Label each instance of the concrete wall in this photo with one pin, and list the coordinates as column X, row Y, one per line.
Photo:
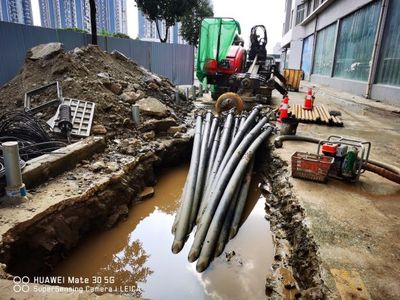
column 175, row 61
column 352, row 86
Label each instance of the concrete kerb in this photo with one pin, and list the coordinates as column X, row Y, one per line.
column 40, row 169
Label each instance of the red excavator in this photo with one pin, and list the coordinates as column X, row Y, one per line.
column 226, row 65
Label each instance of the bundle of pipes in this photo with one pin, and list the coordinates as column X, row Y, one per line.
column 318, row 114
column 218, row 182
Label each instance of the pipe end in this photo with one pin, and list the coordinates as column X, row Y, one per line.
column 202, row 264
column 193, row 255
column 220, row 249
column 232, row 233
column 177, row 246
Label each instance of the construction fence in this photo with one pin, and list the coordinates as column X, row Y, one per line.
column 175, row 61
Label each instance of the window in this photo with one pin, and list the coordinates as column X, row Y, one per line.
column 389, row 61
column 316, row 4
column 300, row 13
column 309, row 7
column 323, row 59
column 291, row 20
column 355, row 43
column 306, row 56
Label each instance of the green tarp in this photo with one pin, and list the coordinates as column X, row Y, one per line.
column 211, row 30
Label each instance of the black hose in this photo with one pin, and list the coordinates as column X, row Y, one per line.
column 278, row 142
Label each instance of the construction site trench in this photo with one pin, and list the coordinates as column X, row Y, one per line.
column 108, row 210
column 104, row 206
column 132, row 245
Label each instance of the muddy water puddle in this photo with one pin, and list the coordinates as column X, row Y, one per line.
column 135, row 257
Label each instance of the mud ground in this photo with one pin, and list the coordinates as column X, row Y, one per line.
column 353, row 228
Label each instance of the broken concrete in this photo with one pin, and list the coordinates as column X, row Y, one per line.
column 131, row 97
column 152, row 107
column 42, row 168
column 44, row 51
column 147, row 193
column 158, row 125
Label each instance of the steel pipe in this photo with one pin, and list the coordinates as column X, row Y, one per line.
column 213, row 130
column 242, row 121
column 201, row 171
column 255, row 131
column 212, row 229
column 226, row 154
column 240, row 135
column 225, row 229
column 136, row 114
column 218, row 158
column 244, row 191
column 15, row 187
column 186, row 205
column 220, row 184
column 235, row 127
column 213, row 153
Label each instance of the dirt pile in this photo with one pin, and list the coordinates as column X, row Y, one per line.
column 113, row 81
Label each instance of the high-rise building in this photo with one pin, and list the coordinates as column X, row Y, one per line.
column 110, row 14
column 16, row 11
column 148, row 30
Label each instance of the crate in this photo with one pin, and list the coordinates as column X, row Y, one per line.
column 293, row 78
column 311, row 166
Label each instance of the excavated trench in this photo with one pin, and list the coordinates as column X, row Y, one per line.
column 275, row 258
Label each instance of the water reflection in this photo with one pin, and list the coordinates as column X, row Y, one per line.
column 128, row 267
column 137, row 252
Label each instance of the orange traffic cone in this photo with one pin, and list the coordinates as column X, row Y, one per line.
column 284, row 109
column 309, row 100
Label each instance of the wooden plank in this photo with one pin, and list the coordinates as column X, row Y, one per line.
column 317, row 115
column 323, row 118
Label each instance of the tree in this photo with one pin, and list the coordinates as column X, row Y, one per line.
column 167, row 11
column 93, row 23
column 190, row 29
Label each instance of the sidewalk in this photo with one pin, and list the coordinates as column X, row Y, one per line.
column 356, row 226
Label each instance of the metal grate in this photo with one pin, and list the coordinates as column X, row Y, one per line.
column 81, row 116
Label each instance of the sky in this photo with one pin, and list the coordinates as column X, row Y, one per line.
column 248, row 13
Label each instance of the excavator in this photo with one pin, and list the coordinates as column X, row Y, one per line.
column 230, row 69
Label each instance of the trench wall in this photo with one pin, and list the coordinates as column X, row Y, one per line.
column 34, row 247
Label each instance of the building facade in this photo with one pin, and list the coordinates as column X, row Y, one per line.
column 110, row 14
column 148, row 30
column 352, row 46
column 16, row 11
